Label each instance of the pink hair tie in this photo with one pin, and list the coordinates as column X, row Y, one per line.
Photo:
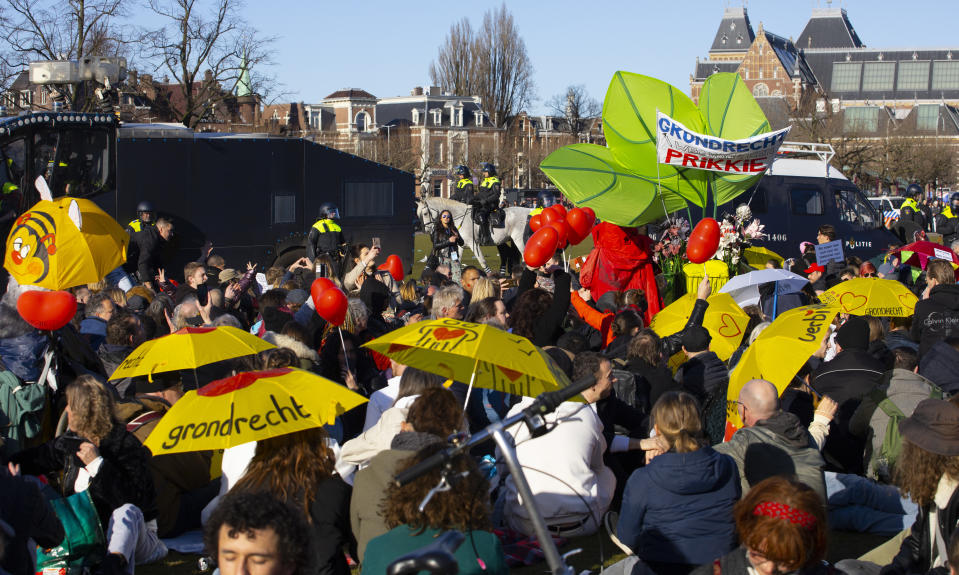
column 783, row 511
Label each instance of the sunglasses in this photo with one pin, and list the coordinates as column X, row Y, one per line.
column 868, row 275
column 444, row 217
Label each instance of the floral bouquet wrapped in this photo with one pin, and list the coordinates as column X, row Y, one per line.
column 735, row 235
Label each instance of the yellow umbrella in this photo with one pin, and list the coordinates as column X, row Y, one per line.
column 778, row 353
column 233, row 411
column 871, row 296
column 189, row 348
column 63, row 243
column 757, row 256
column 483, row 355
column 725, row 321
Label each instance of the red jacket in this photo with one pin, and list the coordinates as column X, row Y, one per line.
column 623, row 260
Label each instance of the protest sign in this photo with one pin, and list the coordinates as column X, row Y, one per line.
column 829, row 252
column 676, row 145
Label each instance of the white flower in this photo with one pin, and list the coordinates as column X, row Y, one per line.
column 743, row 213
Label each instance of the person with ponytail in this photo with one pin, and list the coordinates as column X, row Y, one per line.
column 677, row 511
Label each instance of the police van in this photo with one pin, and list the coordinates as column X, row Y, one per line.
column 802, row 191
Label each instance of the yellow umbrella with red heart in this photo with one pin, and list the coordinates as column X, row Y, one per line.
column 871, row 296
column 725, row 321
column 481, row 354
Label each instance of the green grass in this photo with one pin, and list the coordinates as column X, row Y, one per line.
column 422, row 246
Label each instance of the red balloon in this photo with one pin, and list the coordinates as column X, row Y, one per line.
column 579, row 225
column 560, row 209
column 550, row 216
column 592, row 215
column 703, row 242
column 47, row 310
column 541, row 246
column 332, row 306
column 394, row 265
column 536, row 222
column 562, row 233
column 319, row 286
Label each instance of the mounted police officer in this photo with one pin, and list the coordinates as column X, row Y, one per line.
column 486, row 200
column 464, row 185
column 326, row 236
column 544, row 199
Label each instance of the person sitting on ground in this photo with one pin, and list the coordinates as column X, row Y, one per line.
column 604, row 321
column 98, row 454
column 772, row 442
column 124, row 334
column 433, row 416
column 782, row 528
column 30, row 517
column 182, row 480
column 256, row 532
column 677, row 510
column 898, row 334
column 463, row 507
column 651, row 375
column 299, row 468
column 99, row 310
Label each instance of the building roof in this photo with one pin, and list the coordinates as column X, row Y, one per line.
column 899, row 74
column 401, row 111
column 829, row 28
column 22, row 82
column 706, row 68
column 735, row 33
column 791, row 59
column 351, row 93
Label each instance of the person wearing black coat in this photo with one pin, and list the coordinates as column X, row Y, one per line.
column 936, row 316
column 24, row 509
column 547, row 327
column 447, row 241
column 847, row 378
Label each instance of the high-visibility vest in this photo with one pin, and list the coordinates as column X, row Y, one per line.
column 463, row 183
column 327, row 225
column 536, row 211
column 488, row 182
column 134, row 225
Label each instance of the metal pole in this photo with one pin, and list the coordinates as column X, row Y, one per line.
column 553, row 559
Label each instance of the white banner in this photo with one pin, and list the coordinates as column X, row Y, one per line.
column 677, row 146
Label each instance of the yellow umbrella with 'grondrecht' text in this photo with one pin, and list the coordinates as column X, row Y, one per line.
column 250, row 406
column 871, row 296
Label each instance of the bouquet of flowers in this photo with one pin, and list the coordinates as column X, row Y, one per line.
column 669, row 252
column 735, row 235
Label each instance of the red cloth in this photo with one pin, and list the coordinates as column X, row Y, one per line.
column 624, row 260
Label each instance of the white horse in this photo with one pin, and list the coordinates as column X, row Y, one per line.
column 428, row 212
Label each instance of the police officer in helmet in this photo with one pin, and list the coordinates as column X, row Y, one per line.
column 914, row 199
column 464, row 185
column 544, row 199
column 947, row 222
column 146, row 216
column 486, row 200
column 326, row 236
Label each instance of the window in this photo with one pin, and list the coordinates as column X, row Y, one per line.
column 26, row 98
column 877, row 76
column 945, row 75
column 284, row 211
column 437, row 188
column 927, row 116
column 861, row 119
column 853, row 208
column 438, row 151
column 478, row 118
column 845, row 76
column 806, row 201
column 367, row 199
column 913, row 76
column 458, row 116
column 362, row 119
column 760, row 90
column 43, row 96
column 437, row 117
column 416, row 117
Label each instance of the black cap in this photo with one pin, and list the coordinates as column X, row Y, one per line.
column 696, row 338
column 854, row 334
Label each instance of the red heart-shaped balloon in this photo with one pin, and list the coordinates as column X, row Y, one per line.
column 703, row 241
column 560, row 209
column 394, row 265
column 579, row 225
column 536, row 222
column 562, row 232
column 331, row 306
column 47, row 310
column 592, row 215
column 319, row 286
column 541, row 246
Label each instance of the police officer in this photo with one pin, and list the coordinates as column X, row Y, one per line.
column 486, row 200
column 326, row 236
column 947, row 222
column 914, row 200
column 139, row 238
column 146, row 216
column 464, row 185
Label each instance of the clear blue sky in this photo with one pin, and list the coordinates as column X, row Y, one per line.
column 386, row 46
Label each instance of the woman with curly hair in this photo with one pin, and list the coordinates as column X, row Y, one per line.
column 97, row 454
column 928, row 472
column 298, row 468
column 446, row 243
column 781, row 525
column 464, row 506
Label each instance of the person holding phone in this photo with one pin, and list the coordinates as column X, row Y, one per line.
column 446, row 242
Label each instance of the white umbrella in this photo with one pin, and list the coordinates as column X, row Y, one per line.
column 745, row 288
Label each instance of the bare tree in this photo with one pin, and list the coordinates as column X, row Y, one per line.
column 205, row 52
column 576, row 108
column 34, row 30
column 453, row 68
column 491, row 63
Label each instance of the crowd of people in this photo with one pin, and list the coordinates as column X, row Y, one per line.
column 865, row 438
